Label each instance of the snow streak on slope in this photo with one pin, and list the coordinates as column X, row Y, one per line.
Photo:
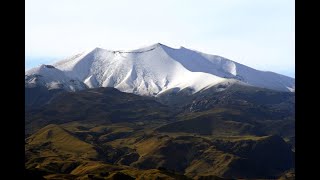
column 155, row 69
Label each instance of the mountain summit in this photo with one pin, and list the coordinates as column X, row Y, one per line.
column 150, row 71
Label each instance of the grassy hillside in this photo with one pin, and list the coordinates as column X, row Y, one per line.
column 51, row 150
column 107, row 134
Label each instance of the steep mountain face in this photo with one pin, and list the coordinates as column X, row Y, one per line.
column 146, row 71
column 151, row 71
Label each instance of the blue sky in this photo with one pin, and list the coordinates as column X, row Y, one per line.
column 257, row 33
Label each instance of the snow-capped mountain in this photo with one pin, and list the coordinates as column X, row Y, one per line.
column 153, row 70
column 52, row 78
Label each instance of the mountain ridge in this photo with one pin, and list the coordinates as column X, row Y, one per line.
column 155, row 69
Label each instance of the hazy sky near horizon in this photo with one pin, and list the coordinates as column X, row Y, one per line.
column 257, row 33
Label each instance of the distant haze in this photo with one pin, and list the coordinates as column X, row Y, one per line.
column 259, row 34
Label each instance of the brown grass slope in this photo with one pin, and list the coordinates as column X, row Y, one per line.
column 54, row 149
column 106, row 134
